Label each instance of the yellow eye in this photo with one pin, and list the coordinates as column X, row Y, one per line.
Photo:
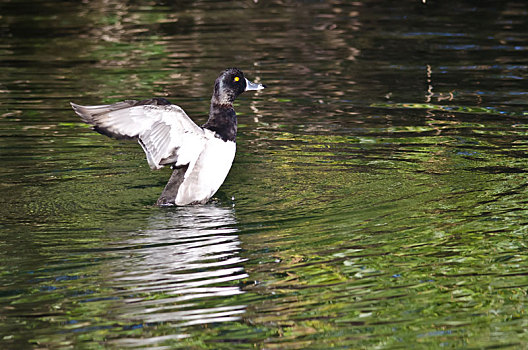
column 237, row 78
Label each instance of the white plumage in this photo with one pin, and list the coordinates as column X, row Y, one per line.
column 205, row 176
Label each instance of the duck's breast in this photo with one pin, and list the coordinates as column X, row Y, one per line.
column 206, row 175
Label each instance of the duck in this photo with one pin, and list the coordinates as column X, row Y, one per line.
column 200, row 156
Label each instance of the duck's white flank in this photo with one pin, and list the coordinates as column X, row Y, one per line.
column 205, row 175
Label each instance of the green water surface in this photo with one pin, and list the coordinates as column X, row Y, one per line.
column 378, row 198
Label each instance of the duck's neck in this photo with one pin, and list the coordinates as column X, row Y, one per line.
column 222, row 119
column 222, row 116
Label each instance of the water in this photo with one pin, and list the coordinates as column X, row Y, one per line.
column 378, row 197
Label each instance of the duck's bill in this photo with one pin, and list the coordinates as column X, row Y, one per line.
column 254, row 86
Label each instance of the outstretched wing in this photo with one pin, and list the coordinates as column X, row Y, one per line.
column 166, row 133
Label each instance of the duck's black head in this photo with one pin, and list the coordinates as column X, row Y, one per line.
column 229, row 85
column 222, row 116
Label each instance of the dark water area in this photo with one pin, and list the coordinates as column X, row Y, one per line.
column 378, row 198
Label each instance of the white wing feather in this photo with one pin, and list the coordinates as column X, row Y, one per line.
column 165, row 132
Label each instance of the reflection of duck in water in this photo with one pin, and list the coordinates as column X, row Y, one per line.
column 185, row 256
column 200, row 156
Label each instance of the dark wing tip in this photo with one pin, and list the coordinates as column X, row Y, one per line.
column 92, row 115
column 82, row 112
